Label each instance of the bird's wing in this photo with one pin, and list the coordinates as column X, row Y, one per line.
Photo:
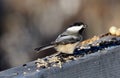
column 67, row 39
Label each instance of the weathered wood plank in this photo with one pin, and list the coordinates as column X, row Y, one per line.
column 101, row 64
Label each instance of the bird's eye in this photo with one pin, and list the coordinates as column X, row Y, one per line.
column 81, row 30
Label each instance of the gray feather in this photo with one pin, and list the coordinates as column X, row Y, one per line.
column 45, row 47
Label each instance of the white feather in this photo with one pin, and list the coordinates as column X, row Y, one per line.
column 75, row 29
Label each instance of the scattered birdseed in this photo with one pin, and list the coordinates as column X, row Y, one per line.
column 95, row 44
column 118, row 32
column 41, row 63
column 29, row 69
column 37, row 70
column 114, row 31
column 24, row 73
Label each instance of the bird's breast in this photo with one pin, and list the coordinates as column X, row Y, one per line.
column 66, row 48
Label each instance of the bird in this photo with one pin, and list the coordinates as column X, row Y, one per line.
column 67, row 41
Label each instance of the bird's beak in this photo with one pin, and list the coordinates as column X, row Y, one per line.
column 85, row 26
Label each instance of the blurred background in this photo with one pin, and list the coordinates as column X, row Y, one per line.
column 27, row 24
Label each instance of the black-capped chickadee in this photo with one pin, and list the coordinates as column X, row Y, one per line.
column 68, row 40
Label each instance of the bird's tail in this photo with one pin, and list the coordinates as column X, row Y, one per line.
column 45, row 47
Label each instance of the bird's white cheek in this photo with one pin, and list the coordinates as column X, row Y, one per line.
column 74, row 29
column 68, row 48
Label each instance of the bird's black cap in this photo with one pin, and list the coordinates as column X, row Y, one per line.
column 77, row 24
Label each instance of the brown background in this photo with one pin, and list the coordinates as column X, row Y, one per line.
column 27, row 24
